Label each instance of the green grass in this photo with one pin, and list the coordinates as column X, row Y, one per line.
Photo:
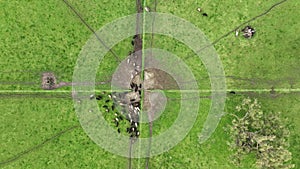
column 39, row 36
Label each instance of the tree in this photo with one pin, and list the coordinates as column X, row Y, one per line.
column 264, row 134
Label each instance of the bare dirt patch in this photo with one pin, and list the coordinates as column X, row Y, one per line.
column 48, row 81
column 156, row 79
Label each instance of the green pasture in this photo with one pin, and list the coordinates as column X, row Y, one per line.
column 45, row 36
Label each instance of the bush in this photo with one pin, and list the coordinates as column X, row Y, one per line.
column 264, row 134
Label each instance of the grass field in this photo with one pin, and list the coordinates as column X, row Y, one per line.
column 42, row 36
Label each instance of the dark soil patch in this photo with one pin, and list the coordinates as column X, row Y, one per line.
column 48, row 81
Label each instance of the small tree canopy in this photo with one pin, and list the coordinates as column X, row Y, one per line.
column 264, row 134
